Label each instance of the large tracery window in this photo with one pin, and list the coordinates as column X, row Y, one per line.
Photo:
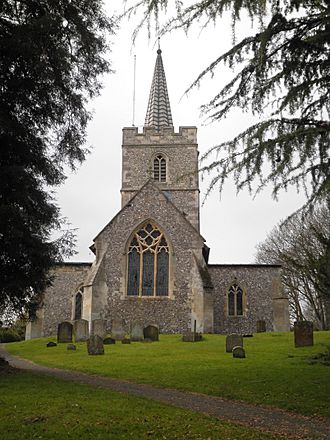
column 160, row 168
column 148, row 263
column 235, row 300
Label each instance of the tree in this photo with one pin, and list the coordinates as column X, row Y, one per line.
column 283, row 78
column 51, row 56
column 302, row 245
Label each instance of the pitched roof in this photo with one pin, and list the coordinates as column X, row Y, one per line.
column 159, row 109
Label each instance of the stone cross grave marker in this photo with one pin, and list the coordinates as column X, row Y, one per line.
column 117, row 329
column 137, row 332
column 151, row 332
column 303, row 334
column 80, row 328
column 238, row 352
column 261, row 326
column 99, row 328
column 95, row 345
column 64, row 332
column 232, row 341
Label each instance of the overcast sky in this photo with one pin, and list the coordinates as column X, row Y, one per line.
column 232, row 225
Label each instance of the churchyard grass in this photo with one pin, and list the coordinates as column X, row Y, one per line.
column 273, row 373
column 43, row 407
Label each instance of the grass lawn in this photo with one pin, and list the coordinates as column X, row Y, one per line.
column 273, row 373
column 41, row 407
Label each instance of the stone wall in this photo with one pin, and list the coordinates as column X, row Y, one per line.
column 260, row 284
column 173, row 313
column 59, row 298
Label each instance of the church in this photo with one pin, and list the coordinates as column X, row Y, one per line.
column 151, row 261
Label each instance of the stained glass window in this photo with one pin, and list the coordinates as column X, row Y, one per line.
column 160, row 168
column 148, row 263
column 78, row 306
column 235, row 300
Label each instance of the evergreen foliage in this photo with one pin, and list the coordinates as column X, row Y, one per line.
column 51, row 55
column 283, row 77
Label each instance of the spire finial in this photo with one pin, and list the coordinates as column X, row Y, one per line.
column 159, row 49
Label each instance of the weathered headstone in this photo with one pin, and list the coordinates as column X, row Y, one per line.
column 80, row 329
column 261, row 326
column 51, row 344
column 71, row 347
column 117, row 329
column 109, row 341
column 64, row 332
column 151, row 332
column 238, row 352
column 232, row 341
column 126, row 341
column 303, row 334
column 192, row 336
column 137, row 332
column 95, row 345
column 99, row 328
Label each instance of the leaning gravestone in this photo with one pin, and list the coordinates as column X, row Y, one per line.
column 238, row 352
column 137, row 332
column 261, row 326
column 64, row 332
column 232, row 341
column 151, row 332
column 303, row 334
column 80, row 328
column 95, row 345
column 117, row 329
column 99, row 328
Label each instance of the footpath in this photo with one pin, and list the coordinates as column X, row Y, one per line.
column 272, row 420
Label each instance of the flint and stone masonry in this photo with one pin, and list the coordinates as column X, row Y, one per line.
column 160, row 188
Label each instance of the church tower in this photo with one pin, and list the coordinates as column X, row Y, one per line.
column 159, row 153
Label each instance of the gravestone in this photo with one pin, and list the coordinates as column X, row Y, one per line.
column 51, row 344
column 151, row 332
column 117, row 329
column 126, row 341
column 137, row 332
column 261, row 326
column 238, row 352
column 80, row 328
column 303, row 334
column 109, row 341
column 71, row 347
column 232, row 341
column 95, row 345
column 99, row 328
column 64, row 332
column 192, row 336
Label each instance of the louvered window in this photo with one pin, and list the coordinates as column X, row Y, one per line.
column 160, row 168
column 235, row 300
column 148, row 263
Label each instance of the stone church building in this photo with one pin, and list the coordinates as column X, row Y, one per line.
column 151, row 261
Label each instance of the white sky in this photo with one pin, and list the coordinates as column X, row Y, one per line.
column 232, row 225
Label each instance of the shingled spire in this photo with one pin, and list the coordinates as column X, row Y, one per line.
column 159, row 109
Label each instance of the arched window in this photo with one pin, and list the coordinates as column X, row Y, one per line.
column 235, row 300
column 78, row 305
column 148, row 263
column 160, row 168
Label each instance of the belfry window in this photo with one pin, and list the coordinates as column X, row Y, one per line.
column 159, row 168
column 235, row 300
column 78, row 305
column 148, row 263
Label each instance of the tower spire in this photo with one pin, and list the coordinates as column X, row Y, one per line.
column 159, row 109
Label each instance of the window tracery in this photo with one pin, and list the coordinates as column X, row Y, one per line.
column 235, row 300
column 148, row 263
column 159, row 168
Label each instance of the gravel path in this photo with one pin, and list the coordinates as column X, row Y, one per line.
column 271, row 420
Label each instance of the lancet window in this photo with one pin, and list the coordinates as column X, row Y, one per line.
column 235, row 300
column 160, row 168
column 78, row 305
column 148, row 263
